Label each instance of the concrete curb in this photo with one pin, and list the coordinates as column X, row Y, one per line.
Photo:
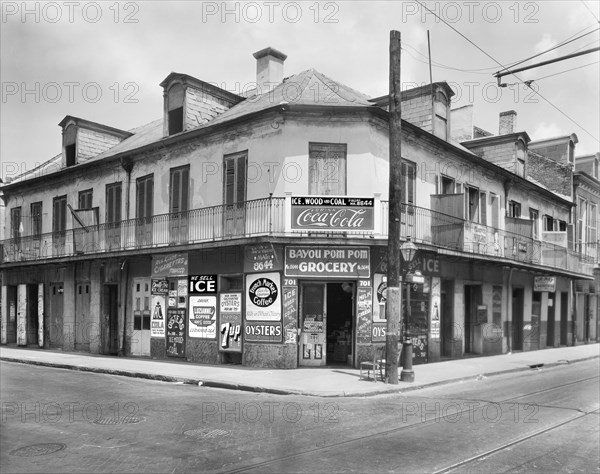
column 275, row 391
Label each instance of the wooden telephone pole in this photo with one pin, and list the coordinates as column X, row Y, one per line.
column 394, row 304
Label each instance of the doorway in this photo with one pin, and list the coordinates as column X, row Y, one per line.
column 473, row 295
column 11, row 306
column 551, row 320
column 33, row 323
column 518, row 298
column 326, row 322
column 110, row 319
column 140, row 341
column 564, row 318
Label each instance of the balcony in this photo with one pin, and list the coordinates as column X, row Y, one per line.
column 270, row 216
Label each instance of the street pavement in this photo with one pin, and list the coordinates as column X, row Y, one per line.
column 321, row 382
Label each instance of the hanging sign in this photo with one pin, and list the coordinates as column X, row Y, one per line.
column 172, row 265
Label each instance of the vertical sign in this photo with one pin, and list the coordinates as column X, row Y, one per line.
column 434, row 330
column 364, row 313
column 290, row 312
column 230, row 322
column 176, row 332
column 159, row 291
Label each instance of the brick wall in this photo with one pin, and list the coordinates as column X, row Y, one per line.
column 549, row 173
column 417, row 111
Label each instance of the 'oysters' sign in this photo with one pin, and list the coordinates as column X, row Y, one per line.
column 327, row 213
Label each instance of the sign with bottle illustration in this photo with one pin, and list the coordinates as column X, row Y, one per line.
column 176, row 332
column 157, row 322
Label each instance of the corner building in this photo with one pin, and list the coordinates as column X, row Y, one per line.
column 252, row 228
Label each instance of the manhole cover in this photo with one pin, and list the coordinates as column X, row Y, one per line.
column 206, row 433
column 38, row 449
column 109, row 420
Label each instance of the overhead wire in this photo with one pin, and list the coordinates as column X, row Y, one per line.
column 504, row 68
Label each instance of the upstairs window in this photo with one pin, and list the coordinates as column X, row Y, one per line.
column 520, row 163
column 495, row 208
column 15, row 223
column 534, row 215
column 59, row 215
column 514, row 209
column 175, row 109
column 179, row 189
column 440, row 115
column 447, row 185
column 409, row 175
column 36, row 219
column 85, row 199
column 553, row 225
column 70, row 145
column 592, row 235
column 235, row 178
column 327, row 169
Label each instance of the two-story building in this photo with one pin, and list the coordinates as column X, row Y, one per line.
column 252, row 228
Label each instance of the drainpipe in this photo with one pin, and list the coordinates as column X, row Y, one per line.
column 509, row 310
column 128, row 167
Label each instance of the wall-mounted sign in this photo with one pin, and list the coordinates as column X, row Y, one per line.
column 544, row 283
column 203, row 316
column 333, row 213
column 157, row 322
column 172, row 265
column 263, row 332
column 230, row 322
column 202, row 284
column 260, row 258
column 263, row 302
column 160, row 286
column 176, row 332
column 339, row 262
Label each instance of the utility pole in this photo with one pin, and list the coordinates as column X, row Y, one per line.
column 394, row 304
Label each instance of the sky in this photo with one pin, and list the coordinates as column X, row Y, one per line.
column 104, row 61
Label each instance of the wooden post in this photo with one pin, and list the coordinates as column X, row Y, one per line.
column 394, row 304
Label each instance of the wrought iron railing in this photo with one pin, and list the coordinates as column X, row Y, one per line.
column 268, row 217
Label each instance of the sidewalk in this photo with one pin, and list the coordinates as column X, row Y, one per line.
column 322, row 382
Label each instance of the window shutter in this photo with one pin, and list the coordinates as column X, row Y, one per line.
column 483, row 207
column 241, row 180
column 185, row 184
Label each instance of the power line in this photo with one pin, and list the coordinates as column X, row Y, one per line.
column 562, row 72
column 505, row 68
column 591, row 12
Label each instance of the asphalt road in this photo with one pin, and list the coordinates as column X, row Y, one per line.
column 55, row 420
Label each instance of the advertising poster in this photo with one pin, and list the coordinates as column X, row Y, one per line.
column 263, row 301
column 290, row 313
column 364, row 297
column 203, row 316
column 434, row 330
column 157, row 322
column 230, row 322
column 176, row 333
column 172, row 265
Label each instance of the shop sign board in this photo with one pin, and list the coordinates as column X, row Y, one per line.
column 260, row 258
column 160, row 286
column 379, row 331
column 263, row 301
column 290, row 313
column 176, row 332
column 202, row 284
column 320, row 261
column 364, row 306
column 172, row 265
column 544, row 283
column 230, row 322
column 203, row 316
column 333, row 213
column 263, row 331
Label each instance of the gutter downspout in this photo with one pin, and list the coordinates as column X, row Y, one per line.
column 509, row 311
column 128, row 167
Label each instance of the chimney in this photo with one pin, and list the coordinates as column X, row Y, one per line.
column 508, row 122
column 269, row 69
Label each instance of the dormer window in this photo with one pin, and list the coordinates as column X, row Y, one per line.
column 175, row 101
column 520, row 163
column 440, row 127
column 70, row 144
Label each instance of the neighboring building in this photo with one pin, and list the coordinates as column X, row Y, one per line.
column 253, row 229
column 587, row 196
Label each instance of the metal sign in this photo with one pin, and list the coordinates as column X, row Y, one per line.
column 333, row 213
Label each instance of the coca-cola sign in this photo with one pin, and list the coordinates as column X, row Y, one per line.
column 333, row 213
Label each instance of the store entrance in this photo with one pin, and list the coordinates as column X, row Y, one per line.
column 326, row 316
